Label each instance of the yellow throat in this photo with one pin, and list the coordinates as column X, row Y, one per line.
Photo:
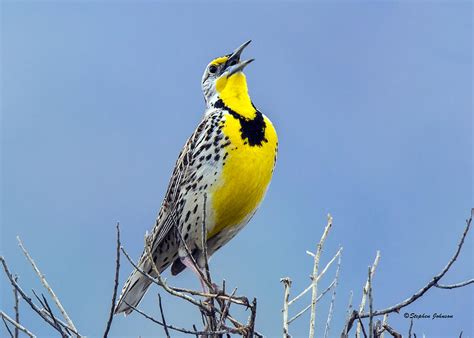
column 248, row 166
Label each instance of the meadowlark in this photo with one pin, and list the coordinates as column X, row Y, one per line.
column 220, row 178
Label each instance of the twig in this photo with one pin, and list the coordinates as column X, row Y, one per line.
column 48, row 309
column 371, row 308
column 16, row 308
column 314, row 277
column 159, row 281
column 349, row 313
column 454, row 286
column 182, row 330
column 309, row 306
column 225, row 311
column 287, row 285
column 333, row 298
column 392, row 331
column 366, row 288
column 251, row 323
column 64, row 325
column 116, row 282
column 384, row 321
column 410, row 328
column 46, row 285
column 240, row 300
column 163, row 317
column 16, row 324
column 302, row 293
column 361, row 325
column 25, row 296
column 8, row 328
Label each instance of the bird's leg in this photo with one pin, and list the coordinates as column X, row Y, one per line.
column 188, row 262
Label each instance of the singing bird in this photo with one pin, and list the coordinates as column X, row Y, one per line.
column 220, row 178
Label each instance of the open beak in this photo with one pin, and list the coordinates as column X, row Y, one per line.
column 233, row 64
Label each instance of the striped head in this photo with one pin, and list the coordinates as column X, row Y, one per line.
column 220, row 70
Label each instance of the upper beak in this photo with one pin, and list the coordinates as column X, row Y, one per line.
column 233, row 63
column 236, row 54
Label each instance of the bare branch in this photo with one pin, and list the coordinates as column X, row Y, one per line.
column 392, row 331
column 333, row 298
column 365, row 290
column 16, row 308
column 287, row 285
column 309, row 306
column 8, row 328
column 302, row 293
column 182, row 330
column 46, row 285
column 384, row 321
column 116, row 282
column 25, row 296
column 159, row 281
column 361, row 325
column 455, row 286
column 63, row 324
column 17, row 325
column 314, row 283
column 165, row 327
column 225, row 311
column 371, row 308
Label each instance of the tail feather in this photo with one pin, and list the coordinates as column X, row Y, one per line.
column 132, row 293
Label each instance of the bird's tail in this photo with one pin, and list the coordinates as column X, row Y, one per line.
column 132, row 292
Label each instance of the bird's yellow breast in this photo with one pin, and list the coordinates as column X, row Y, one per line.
column 246, row 172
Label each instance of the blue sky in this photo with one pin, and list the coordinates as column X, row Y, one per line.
column 373, row 105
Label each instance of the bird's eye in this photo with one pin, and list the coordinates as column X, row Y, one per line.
column 212, row 69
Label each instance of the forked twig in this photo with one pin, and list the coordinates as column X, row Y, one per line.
column 333, row 298
column 17, row 325
column 46, row 285
column 25, row 296
column 314, row 283
column 366, row 288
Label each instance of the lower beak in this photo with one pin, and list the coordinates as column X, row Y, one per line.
column 238, row 67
